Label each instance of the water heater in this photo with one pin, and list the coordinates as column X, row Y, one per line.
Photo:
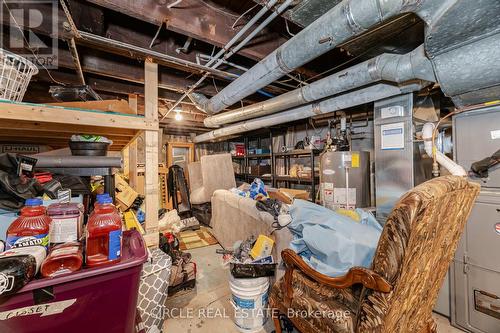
column 345, row 179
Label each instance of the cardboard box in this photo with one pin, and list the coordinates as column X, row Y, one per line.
column 287, row 195
column 259, row 170
column 125, row 195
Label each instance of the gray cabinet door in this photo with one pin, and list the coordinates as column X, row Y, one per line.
column 476, row 136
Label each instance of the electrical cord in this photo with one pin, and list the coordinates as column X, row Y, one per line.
column 218, row 9
column 242, row 15
column 30, row 48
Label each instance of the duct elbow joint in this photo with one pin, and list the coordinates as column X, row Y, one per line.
column 201, row 102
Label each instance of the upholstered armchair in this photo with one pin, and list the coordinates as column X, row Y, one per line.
column 398, row 293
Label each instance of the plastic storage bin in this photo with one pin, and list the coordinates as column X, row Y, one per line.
column 101, row 299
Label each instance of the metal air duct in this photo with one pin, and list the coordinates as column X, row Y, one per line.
column 348, row 19
column 358, row 97
column 387, row 67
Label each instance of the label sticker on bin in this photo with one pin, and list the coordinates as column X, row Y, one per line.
column 43, row 310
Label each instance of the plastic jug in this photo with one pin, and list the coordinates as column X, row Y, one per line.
column 104, row 234
column 31, row 228
column 62, row 259
column 67, row 220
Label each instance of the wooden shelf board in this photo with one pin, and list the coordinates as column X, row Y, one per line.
column 298, row 152
column 28, row 123
column 64, row 115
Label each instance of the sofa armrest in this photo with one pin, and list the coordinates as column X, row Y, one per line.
column 366, row 277
column 236, row 218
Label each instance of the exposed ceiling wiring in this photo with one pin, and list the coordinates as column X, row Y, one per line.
column 288, row 28
column 242, row 15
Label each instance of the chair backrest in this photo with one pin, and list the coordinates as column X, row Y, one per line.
column 218, row 173
column 414, row 252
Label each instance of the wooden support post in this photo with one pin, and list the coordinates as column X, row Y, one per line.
column 132, row 149
column 151, row 151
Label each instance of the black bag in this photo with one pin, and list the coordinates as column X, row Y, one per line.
column 177, row 182
column 15, row 189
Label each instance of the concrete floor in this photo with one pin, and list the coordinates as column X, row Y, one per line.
column 208, row 307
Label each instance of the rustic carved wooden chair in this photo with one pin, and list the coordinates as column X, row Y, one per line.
column 398, row 293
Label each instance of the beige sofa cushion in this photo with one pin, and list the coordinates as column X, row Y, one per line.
column 212, row 173
column 236, row 218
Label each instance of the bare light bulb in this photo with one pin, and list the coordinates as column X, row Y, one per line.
column 178, row 116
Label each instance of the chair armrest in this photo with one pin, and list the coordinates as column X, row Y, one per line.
column 362, row 275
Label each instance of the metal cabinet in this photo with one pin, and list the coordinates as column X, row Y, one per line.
column 475, row 271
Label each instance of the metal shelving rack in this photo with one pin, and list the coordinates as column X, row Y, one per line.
column 274, row 179
column 313, row 180
column 245, row 175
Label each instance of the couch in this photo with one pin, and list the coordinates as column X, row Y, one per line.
column 236, row 218
column 211, row 173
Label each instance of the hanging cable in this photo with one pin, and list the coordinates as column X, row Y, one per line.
column 218, row 9
column 71, row 23
column 156, row 35
column 288, row 29
column 242, row 15
column 40, row 63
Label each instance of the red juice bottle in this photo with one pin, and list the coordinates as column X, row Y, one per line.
column 62, row 259
column 104, row 234
column 31, row 228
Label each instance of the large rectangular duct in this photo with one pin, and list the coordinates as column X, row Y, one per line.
column 463, row 44
column 398, row 166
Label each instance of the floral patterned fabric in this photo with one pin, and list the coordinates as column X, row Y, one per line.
column 414, row 252
column 324, row 309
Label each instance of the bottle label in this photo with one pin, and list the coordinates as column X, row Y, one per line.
column 64, row 230
column 15, row 241
column 115, row 244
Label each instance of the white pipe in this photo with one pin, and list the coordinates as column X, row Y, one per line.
column 346, row 20
column 441, row 158
column 397, row 68
column 174, row 4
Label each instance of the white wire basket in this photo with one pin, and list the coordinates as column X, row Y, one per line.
column 15, row 74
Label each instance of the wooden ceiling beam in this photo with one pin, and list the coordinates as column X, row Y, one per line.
column 106, row 65
column 101, row 84
column 194, row 18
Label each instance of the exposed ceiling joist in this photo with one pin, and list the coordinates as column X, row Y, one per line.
column 195, row 19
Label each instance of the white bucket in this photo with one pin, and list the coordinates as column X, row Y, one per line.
column 249, row 298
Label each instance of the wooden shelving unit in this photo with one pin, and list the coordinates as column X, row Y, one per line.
column 53, row 125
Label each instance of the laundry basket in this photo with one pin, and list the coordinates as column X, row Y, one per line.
column 15, row 74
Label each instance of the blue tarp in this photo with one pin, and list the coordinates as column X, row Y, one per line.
column 332, row 243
